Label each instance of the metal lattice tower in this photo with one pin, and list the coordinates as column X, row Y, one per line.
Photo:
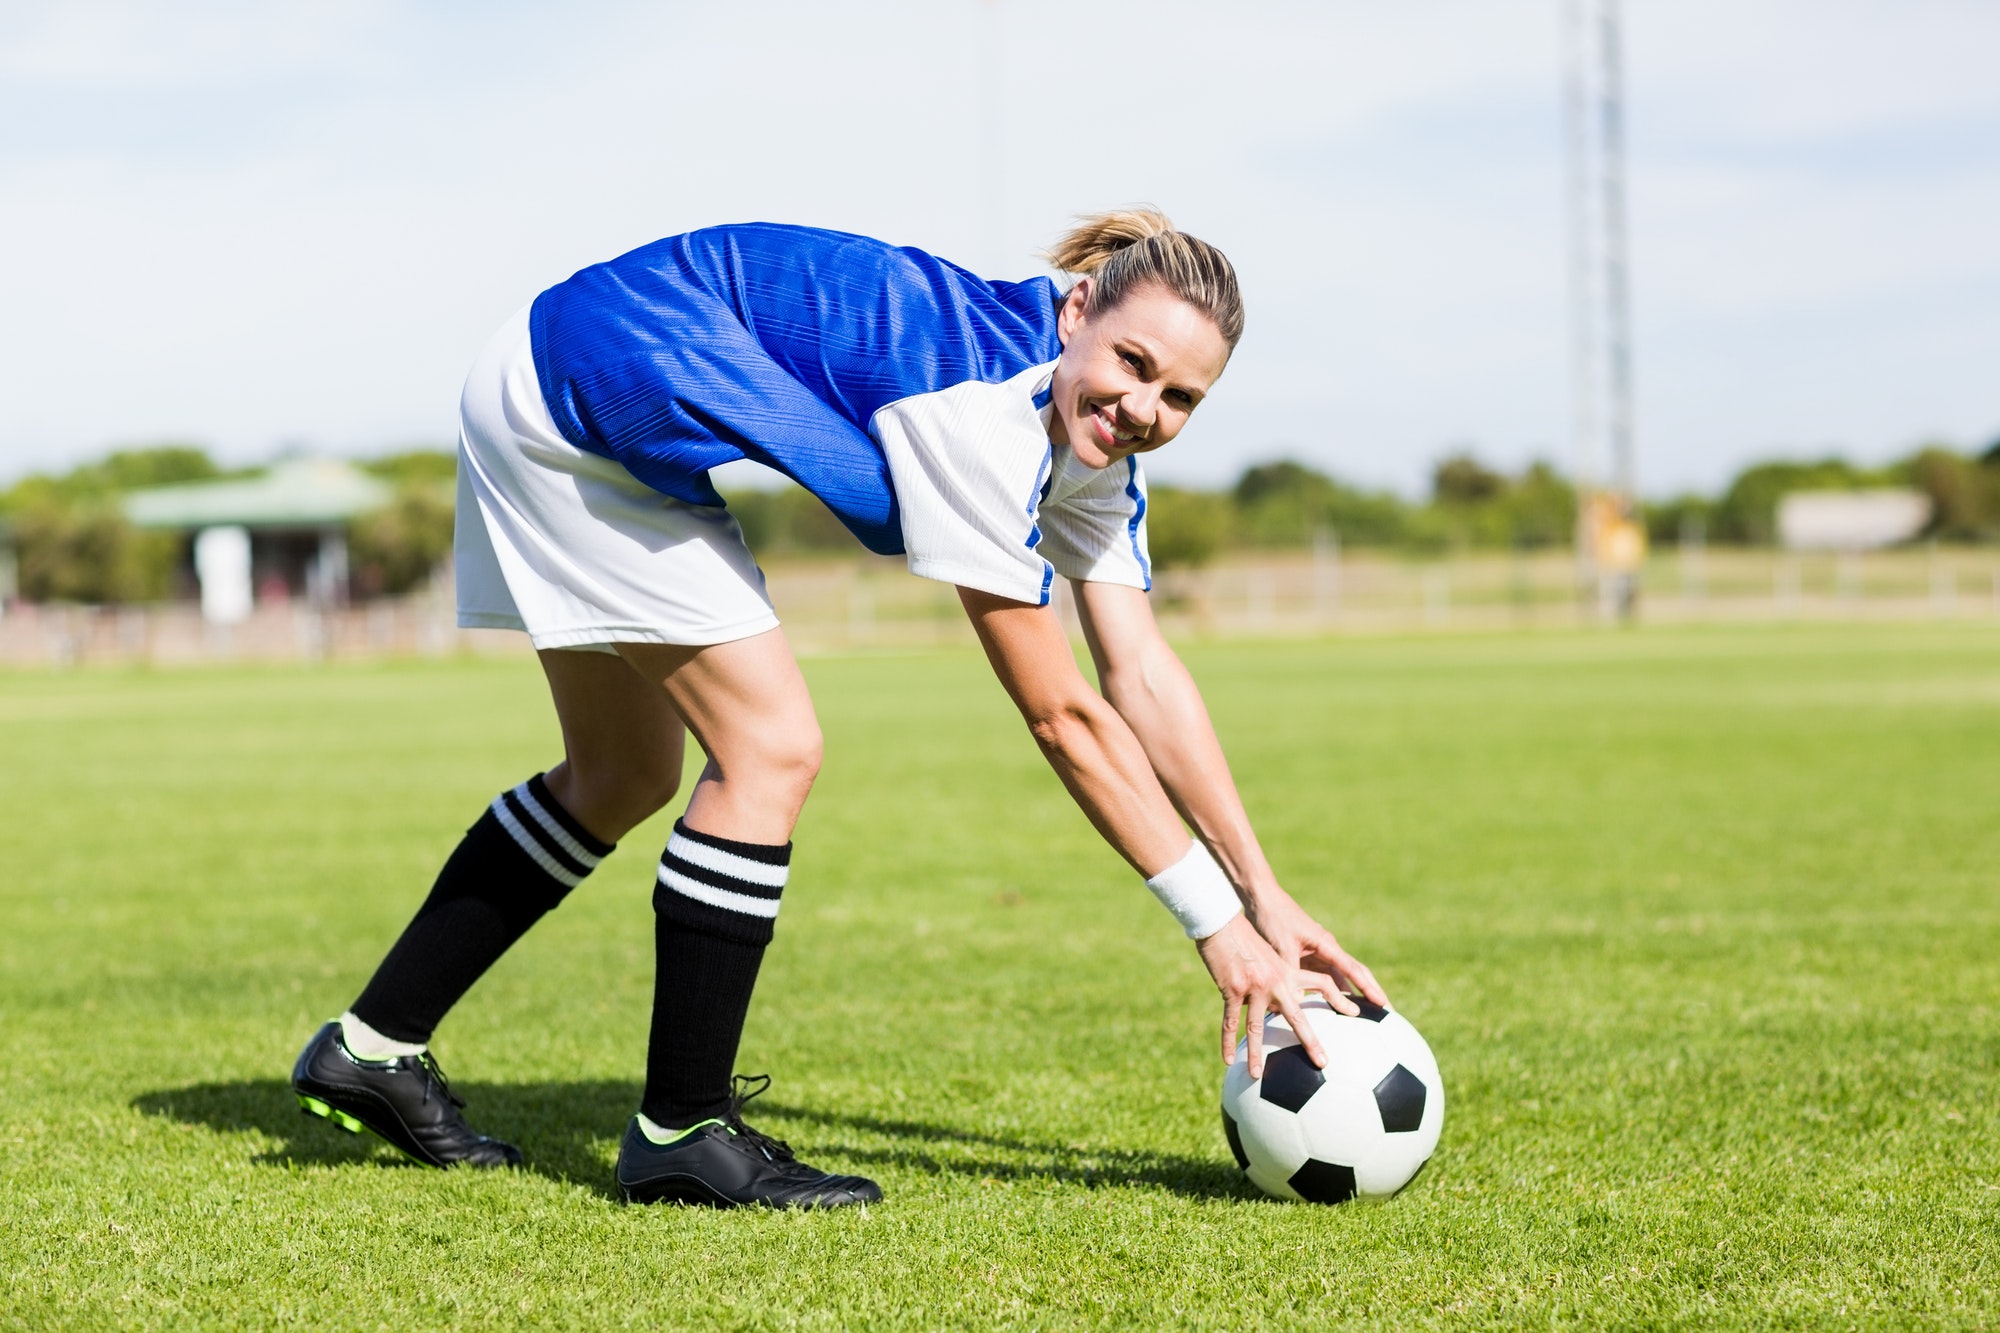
column 1609, row 539
column 1600, row 301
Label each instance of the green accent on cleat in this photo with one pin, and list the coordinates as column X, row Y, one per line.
column 314, row 1106
column 662, row 1137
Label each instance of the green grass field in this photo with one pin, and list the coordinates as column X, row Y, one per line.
column 1702, row 925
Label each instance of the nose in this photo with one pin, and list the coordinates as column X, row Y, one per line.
column 1141, row 406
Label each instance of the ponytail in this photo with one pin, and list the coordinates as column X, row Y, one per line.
column 1131, row 247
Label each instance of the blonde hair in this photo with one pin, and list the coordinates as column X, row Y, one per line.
column 1128, row 248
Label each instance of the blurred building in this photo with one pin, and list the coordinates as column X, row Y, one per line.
column 1851, row 520
column 271, row 538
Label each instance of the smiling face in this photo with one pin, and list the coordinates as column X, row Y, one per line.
column 1130, row 376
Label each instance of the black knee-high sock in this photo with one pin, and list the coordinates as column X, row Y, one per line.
column 714, row 909
column 514, row 865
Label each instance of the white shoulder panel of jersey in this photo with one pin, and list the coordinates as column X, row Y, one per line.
column 969, row 463
column 1094, row 523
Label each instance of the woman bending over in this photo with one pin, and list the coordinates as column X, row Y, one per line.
column 991, row 432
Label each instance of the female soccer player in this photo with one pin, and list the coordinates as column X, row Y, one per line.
column 990, row 430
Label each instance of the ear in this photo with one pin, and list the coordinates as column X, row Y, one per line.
column 1070, row 319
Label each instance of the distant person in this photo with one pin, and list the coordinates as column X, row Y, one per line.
column 987, row 429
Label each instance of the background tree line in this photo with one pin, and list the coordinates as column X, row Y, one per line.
column 73, row 543
column 1288, row 505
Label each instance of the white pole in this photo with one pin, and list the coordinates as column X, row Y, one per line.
column 1847, row 573
column 1944, row 583
column 1694, row 553
column 1617, row 295
column 1584, row 446
column 1326, row 573
column 1437, row 595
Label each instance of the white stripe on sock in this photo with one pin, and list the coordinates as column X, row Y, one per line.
column 727, row 863
column 584, row 856
column 714, row 897
column 557, row 870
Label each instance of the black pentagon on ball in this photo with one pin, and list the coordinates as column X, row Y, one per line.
column 1289, row 1079
column 1400, row 1098
column 1235, row 1141
column 1371, row 1011
column 1323, row 1182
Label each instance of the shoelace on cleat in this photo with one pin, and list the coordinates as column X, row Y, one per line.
column 430, row 1066
column 743, row 1087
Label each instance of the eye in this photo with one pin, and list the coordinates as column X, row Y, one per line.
column 1182, row 399
column 1134, row 360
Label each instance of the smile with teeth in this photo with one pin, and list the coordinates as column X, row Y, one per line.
column 1108, row 430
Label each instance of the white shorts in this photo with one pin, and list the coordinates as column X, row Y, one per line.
column 570, row 547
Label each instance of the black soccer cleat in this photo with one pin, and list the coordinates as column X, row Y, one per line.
column 723, row 1163
column 405, row 1100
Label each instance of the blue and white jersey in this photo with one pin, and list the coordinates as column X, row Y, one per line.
column 909, row 395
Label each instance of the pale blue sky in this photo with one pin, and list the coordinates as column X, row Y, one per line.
column 254, row 224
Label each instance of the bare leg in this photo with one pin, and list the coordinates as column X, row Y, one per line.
column 747, row 705
column 623, row 742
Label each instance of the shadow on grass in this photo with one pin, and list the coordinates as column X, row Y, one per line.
column 938, row 1150
column 569, row 1132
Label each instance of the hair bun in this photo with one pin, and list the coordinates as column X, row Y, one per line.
column 1098, row 236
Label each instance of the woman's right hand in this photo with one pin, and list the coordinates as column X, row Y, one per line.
column 1251, row 976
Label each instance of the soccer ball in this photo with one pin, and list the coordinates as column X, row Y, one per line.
column 1360, row 1128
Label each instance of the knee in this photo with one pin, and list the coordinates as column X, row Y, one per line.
column 653, row 785
column 784, row 761
column 796, row 759
column 611, row 799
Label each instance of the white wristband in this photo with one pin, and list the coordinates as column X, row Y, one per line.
column 1196, row 891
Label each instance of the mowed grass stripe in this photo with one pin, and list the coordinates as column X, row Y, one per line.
column 1701, row 923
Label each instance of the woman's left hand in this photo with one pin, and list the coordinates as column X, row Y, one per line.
column 1311, row 947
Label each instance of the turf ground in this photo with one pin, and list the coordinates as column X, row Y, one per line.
column 1702, row 925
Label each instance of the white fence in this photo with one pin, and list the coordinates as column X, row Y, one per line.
column 839, row 605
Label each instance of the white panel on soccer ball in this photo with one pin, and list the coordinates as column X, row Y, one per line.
column 1388, row 1167
column 1346, row 1043
column 1340, row 1125
column 1409, row 1048
column 1272, row 1181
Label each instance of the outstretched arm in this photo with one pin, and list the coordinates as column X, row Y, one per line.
column 1144, row 679
column 1108, row 772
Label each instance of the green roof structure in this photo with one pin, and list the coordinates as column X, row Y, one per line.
column 300, row 493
